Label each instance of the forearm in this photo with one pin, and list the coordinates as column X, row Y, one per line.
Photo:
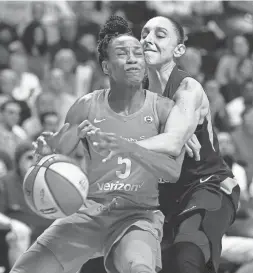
column 159, row 164
column 163, row 143
column 178, row 130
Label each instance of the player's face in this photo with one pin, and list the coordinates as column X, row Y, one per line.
column 159, row 40
column 125, row 62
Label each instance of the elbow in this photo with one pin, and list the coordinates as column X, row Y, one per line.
column 175, row 151
column 175, row 176
column 171, row 176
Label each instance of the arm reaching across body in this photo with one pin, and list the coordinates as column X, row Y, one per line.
column 182, row 120
column 66, row 140
column 160, row 164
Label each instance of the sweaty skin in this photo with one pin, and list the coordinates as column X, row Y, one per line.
column 190, row 108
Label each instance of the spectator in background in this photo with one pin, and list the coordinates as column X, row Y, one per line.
column 247, row 94
column 89, row 73
column 243, row 141
column 226, row 69
column 65, row 60
column 6, row 163
column 233, row 91
column 44, row 103
column 56, row 86
column 8, row 83
column 87, row 21
column 13, row 204
column 217, row 105
column 244, row 73
column 10, row 133
column 35, row 43
column 49, row 122
column 68, row 36
column 38, row 11
column 8, row 34
column 191, row 62
column 28, row 86
column 76, row 78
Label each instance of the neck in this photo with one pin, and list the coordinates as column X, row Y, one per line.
column 125, row 99
column 158, row 77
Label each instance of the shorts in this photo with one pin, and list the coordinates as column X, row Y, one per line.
column 93, row 232
column 217, row 214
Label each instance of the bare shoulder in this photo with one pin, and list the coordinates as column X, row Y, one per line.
column 190, row 85
column 190, row 91
column 163, row 106
column 79, row 110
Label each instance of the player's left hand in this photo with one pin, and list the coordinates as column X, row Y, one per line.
column 193, row 147
column 112, row 143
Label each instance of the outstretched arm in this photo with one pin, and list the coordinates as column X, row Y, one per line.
column 66, row 140
column 159, row 164
column 182, row 120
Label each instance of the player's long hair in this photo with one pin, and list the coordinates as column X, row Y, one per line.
column 114, row 27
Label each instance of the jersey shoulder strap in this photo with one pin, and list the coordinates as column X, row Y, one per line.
column 98, row 97
column 176, row 77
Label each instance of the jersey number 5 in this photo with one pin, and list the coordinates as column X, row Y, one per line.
column 126, row 173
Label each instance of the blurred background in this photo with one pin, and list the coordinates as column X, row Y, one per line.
column 48, row 59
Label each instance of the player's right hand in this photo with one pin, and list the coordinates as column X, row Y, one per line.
column 193, row 147
column 47, row 143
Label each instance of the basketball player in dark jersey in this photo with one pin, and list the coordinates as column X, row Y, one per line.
column 201, row 206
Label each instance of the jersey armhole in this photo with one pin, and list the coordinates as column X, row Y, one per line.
column 93, row 104
column 156, row 116
column 163, row 106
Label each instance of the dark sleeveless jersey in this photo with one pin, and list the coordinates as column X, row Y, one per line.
column 211, row 161
column 196, row 173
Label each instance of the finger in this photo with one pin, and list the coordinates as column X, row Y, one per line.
column 105, row 145
column 195, row 146
column 196, row 154
column 63, row 130
column 85, row 130
column 93, row 131
column 41, row 142
column 195, row 141
column 109, row 157
column 188, row 150
column 35, row 145
column 108, row 137
column 83, row 125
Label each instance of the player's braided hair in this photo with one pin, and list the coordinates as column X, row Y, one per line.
column 114, row 26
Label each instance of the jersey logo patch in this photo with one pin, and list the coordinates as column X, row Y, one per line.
column 148, row 119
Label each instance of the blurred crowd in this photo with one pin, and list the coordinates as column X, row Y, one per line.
column 50, row 60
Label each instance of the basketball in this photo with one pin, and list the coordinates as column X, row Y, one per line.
column 55, row 187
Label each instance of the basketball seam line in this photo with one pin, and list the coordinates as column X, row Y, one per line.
column 50, row 190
